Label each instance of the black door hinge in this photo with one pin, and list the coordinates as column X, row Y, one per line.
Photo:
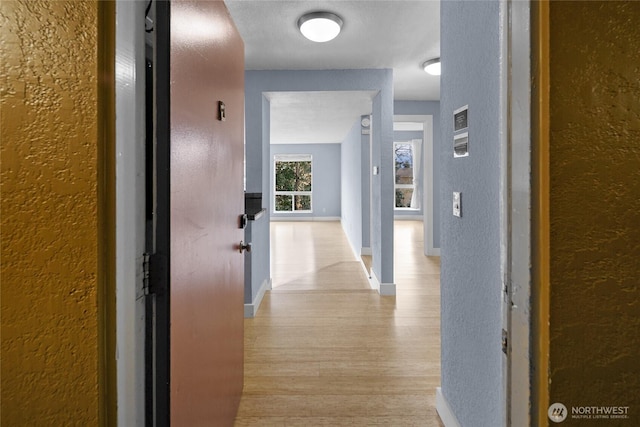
column 146, row 274
column 153, row 270
column 505, row 342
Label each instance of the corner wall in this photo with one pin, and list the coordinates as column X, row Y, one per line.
column 50, row 245
column 470, row 245
column 351, row 188
column 595, row 207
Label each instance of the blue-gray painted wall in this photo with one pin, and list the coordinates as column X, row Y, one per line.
column 365, row 177
column 382, row 184
column 258, row 262
column 257, row 148
column 352, row 187
column 470, row 246
column 325, row 186
column 429, row 108
column 256, row 265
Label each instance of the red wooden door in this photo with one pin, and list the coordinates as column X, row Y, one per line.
column 206, row 199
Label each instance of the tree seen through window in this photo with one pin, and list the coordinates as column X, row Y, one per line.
column 293, row 183
column 404, row 179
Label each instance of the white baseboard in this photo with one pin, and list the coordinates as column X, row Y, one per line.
column 365, row 251
column 444, row 410
column 353, row 249
column 408, row 217
column 373, row 281
column 433, row 252
column 385, row 289
column 305, row 218
column 250, row 310
column 366, row 271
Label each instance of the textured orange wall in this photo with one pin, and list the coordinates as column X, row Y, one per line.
column 595, row 206
column 48, row 103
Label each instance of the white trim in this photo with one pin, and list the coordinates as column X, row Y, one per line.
column 407, row 126
column 385, row 289
column 250, row 310
column 366, row 271
column 373, row 280
column 433, row 252
column 408, row 217
column 365, row 251
column 516, row 210
column 129, row 214
column 444, row 410
column 305, row 218
column 353, row 249
column 285, row 157
column 504, row 206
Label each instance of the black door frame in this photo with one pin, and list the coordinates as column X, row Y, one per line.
column 158, row 240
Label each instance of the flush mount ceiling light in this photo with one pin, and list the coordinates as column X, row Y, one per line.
column 432, row 66
column 320, row 26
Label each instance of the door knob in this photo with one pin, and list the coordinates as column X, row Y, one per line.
column 244, row 247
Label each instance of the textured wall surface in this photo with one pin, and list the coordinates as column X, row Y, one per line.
column 48, row 101
column 470, row 280
column 595, row 206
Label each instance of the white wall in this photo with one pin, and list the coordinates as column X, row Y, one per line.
column 130, row 205
column 352, row 188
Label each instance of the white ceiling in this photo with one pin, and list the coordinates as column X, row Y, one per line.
column 395, row 34
column 339, row 109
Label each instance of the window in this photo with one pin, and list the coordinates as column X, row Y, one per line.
column 404, row 175
column 292, row 192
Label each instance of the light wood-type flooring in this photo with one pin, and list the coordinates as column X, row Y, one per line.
column 326, row 350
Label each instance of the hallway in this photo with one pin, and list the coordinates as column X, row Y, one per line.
column 326, row 350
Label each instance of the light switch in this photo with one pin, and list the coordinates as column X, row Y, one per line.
column 376, row 170
column 457, row 204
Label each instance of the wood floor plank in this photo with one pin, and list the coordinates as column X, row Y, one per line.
column 414, row 405
column 431, row 421
column 341, row 385
column 327, row 350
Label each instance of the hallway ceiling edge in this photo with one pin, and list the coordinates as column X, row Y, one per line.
column 396, row 34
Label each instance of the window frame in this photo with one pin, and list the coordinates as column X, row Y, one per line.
column 397, row 186
column 293, row 194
